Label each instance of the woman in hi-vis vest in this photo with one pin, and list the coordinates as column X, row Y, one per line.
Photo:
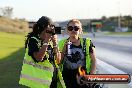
column 77, row 52
column 39, row 68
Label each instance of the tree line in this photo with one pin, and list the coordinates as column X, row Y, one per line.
column 107, row 23
column 6, row 11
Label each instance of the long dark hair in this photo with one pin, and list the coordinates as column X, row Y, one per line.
column 38, row 27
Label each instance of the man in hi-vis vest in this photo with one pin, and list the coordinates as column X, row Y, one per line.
column 39, row 68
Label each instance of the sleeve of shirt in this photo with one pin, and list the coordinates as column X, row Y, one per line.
column 33, row 47
column 90, row 47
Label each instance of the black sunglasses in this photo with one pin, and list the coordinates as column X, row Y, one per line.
column 75, row 28
column 52, row 26
column 50, row 32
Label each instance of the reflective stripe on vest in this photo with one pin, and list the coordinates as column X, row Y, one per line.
column 37, row 65
column 41, row 81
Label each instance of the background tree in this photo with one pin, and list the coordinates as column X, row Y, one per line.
column 6, row 11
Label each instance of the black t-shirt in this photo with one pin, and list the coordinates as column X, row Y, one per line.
column 34, row 46
column 77, row 57
column 72, row 63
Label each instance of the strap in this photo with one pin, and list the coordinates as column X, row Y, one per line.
column 84, row 46
column 84, row 50
column 50, row 52
column 39, row 43
column 35, row 38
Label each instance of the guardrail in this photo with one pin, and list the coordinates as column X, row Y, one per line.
column 104, row 68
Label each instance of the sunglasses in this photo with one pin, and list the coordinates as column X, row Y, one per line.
column 75, row 28
column 52, row 26
column 50, row 32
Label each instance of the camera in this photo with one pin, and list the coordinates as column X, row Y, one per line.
column 57, row 30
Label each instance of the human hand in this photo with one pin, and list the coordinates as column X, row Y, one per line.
column 54, row 39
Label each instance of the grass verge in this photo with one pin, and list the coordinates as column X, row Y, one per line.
column 12, row 53
column 119, row 33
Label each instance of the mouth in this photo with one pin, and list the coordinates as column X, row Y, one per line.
column 73, row 32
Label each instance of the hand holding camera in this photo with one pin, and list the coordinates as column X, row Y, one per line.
column 55, row 30
column 54, row 39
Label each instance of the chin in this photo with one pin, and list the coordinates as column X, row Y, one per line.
column 73, row 35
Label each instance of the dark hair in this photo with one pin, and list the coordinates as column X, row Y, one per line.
column 38, row 27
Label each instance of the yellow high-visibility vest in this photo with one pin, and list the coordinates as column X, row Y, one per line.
column 38, row 74
column 88, row 59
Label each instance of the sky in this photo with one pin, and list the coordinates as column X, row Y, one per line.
column 61, row 10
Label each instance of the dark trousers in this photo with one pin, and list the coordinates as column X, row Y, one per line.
column 70, row 80
column 69, row 77
column 54, row 79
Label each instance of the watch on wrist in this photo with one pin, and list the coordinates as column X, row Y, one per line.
column 55, row 46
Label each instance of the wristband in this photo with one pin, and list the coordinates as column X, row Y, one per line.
column 55, row 46
column 45, row 43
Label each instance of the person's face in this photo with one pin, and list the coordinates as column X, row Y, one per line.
column 50, row 29
column 74, row 29
column 47, row 31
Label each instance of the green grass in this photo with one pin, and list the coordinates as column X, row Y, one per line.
column 11, row 57
column 119, row 33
